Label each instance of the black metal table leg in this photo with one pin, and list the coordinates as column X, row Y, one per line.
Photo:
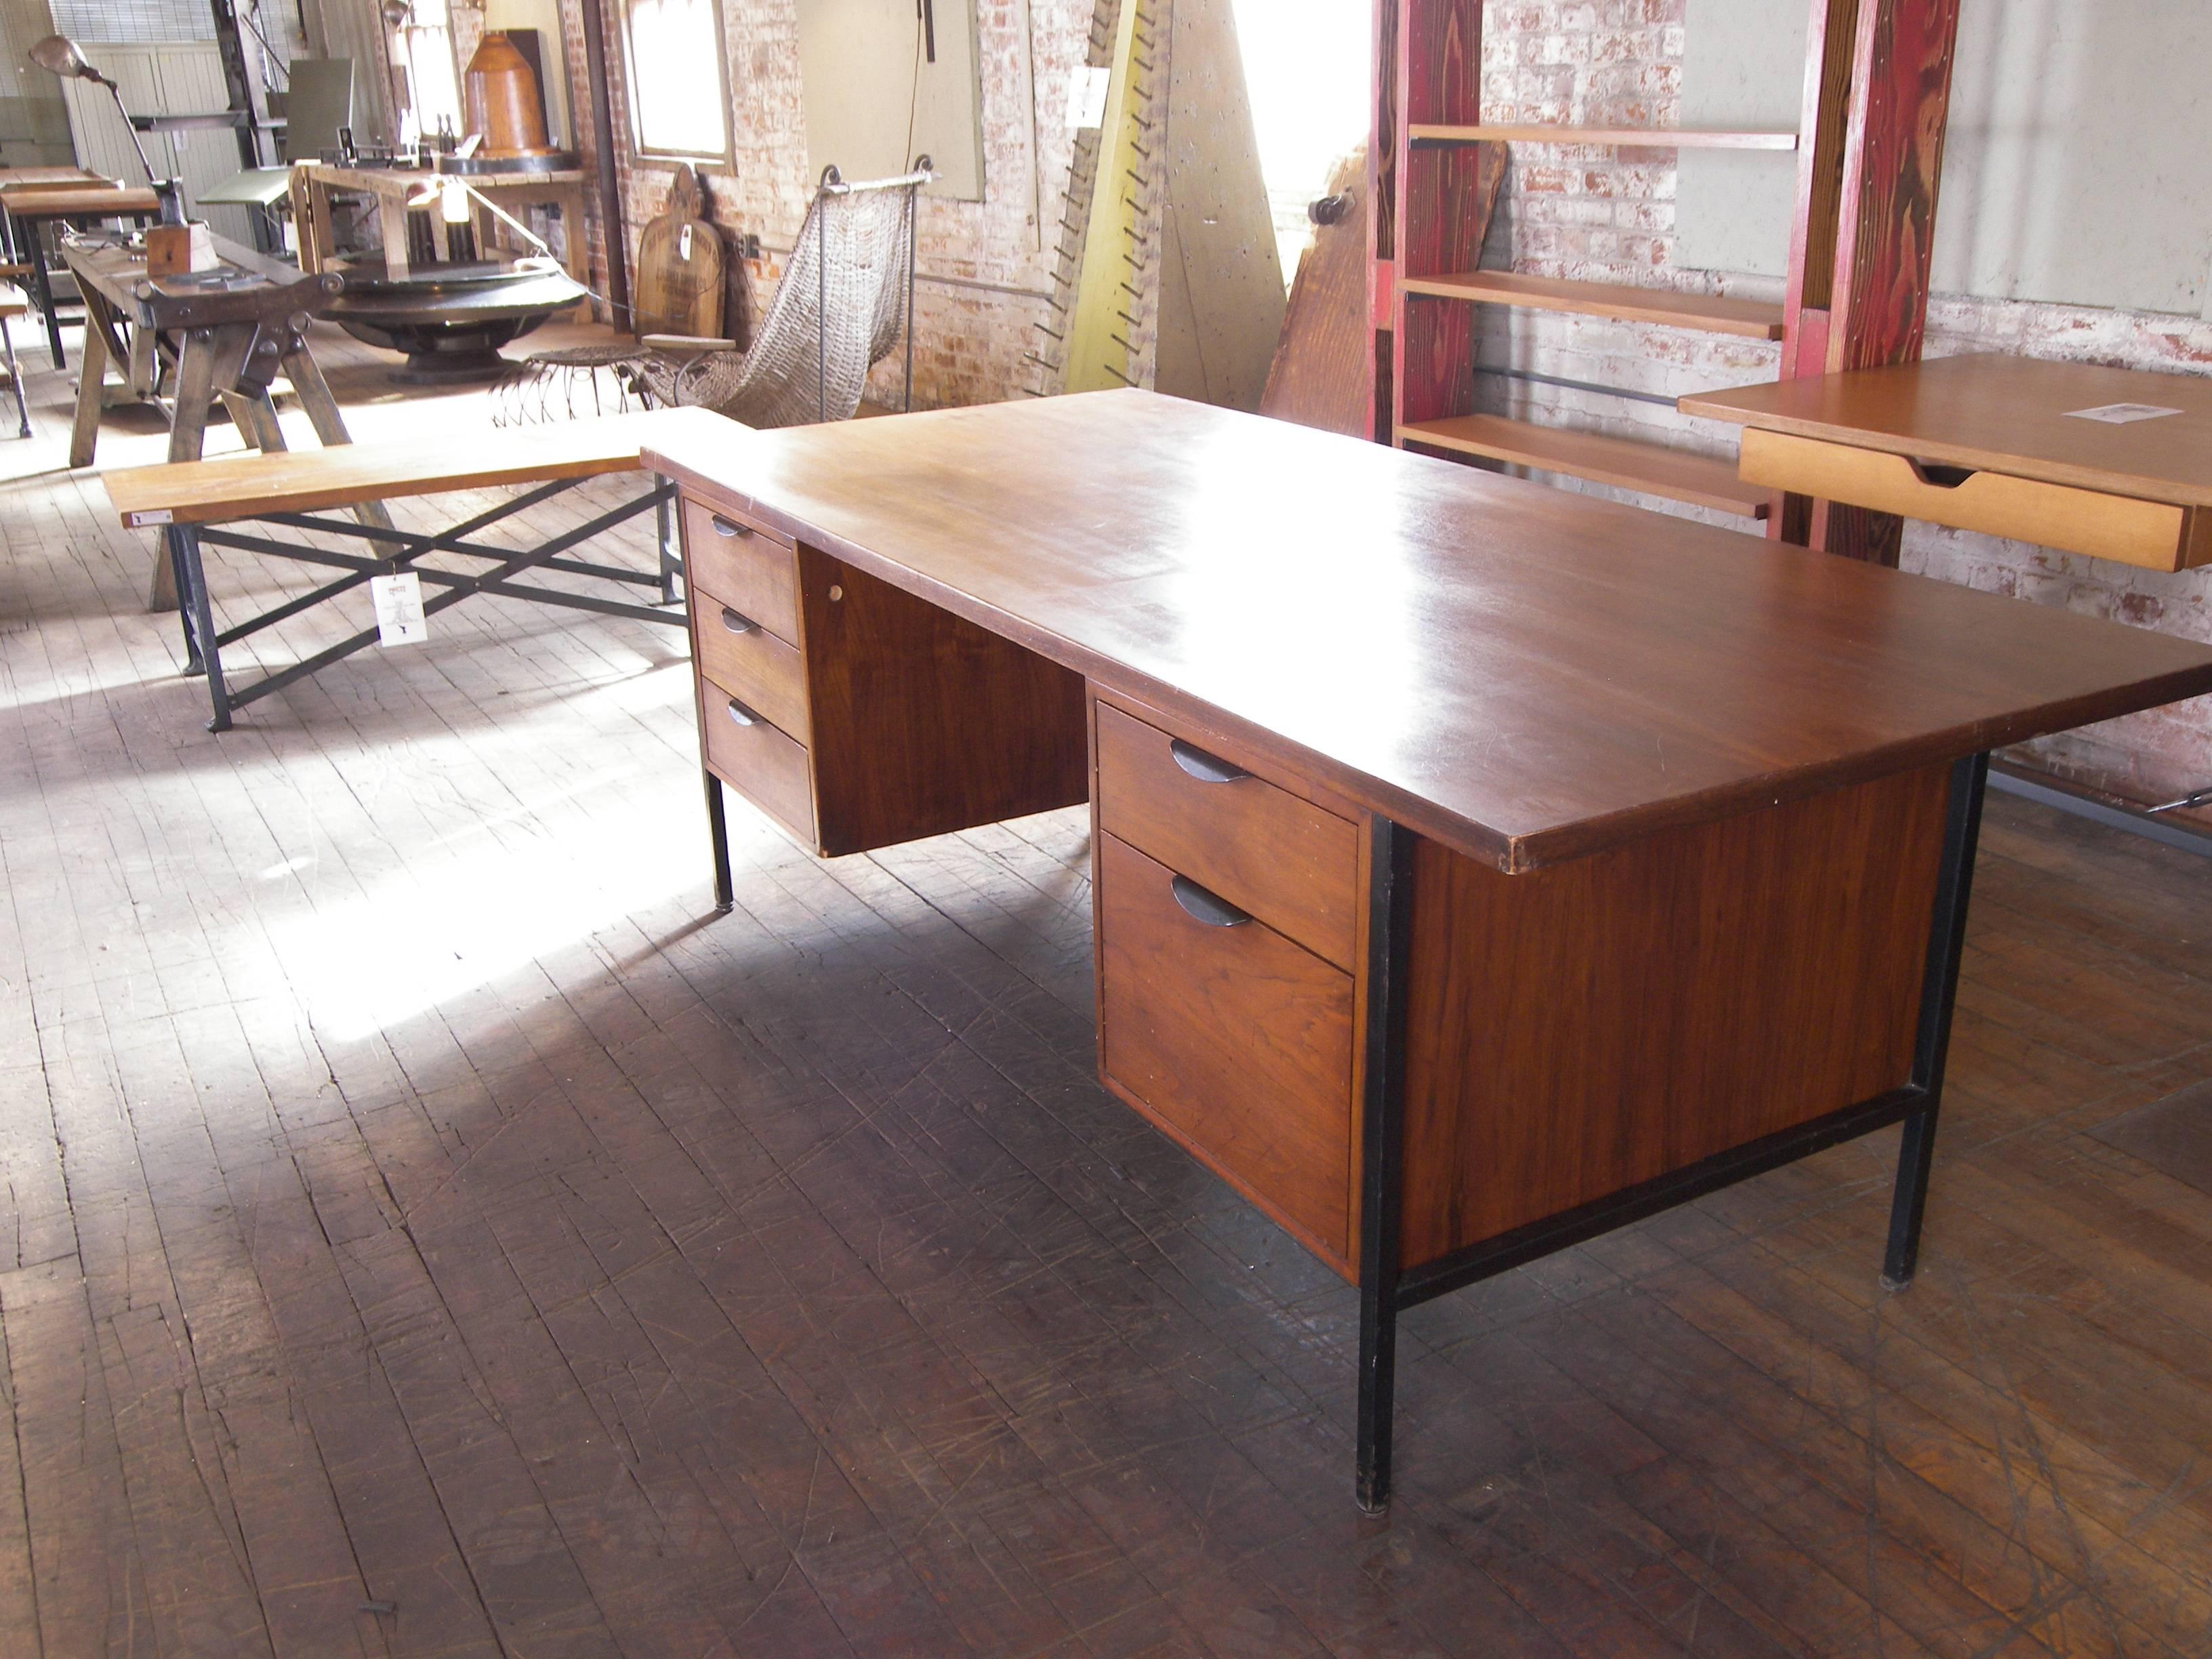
column 15, row 380
column 718, row 833
column 672, row 562
column 192, row 596
column 42, row 286
column 1939, row 990
column 172, row 539
column 1382, row 1110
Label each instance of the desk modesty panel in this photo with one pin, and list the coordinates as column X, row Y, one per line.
column 1475, row 867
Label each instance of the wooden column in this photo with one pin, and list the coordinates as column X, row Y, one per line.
column 1877, row 99
column 1441, row 206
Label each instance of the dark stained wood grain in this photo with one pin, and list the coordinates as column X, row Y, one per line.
column 1234, row 1040
column 1580, row 1029
column 923, row 722
column 1290, row 862
column 1522, row 675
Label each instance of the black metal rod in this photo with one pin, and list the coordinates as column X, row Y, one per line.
column 1939, row 994
column 1531, row 374
column 1382, row 1109
column 554, row 597
column 291, row 608
column 194, row 594
column 1538, row 1239
column 718, row 835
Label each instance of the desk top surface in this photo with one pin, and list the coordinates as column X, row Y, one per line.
column 2015, row 415
column 1520, row 673
column 344, row 475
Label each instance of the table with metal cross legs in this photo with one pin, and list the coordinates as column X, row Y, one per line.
column 29, row 206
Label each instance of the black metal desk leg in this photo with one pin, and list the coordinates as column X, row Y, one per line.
column 192, row 597
column 672, row 562
column 717, row 832
column 1383, row 1114
column 1939, row 991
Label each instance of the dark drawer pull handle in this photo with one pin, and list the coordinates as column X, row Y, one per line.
column 1206, row 768
column 743, row 715
column 725, row 529
column 733, row 623
column 1201, row 906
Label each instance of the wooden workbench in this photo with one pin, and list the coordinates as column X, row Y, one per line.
column 1998, row 445
column 1475, row 867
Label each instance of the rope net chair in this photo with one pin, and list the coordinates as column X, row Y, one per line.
column 844, row 303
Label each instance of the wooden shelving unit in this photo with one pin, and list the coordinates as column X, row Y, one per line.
column 1750, row 319
column 1679, row 474
column 1877, row 88
column 1645, row 137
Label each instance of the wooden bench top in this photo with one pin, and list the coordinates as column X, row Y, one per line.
column 345, row 475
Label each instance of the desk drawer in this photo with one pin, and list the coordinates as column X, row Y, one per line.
column 1232, row 1038
column 735, row 651
column 762, row 764
column 746, row 568
column 1292, row 864
column 2155, row 535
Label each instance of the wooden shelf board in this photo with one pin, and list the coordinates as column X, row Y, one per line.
column 1624, row 463
column 1652, row 138
column 1751, row 320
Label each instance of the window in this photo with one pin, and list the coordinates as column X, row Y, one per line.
column 423, row 57
column 679, row 99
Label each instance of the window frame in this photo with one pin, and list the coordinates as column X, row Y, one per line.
column 723, row 158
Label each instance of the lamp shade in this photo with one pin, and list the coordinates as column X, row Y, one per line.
column 60, row 55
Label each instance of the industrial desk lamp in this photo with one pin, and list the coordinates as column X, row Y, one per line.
column 60, row 55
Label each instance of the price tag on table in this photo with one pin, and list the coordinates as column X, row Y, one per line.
column 398, row 600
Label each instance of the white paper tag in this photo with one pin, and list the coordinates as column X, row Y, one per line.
column 2121, row 414
column 399, row 601
column 1087, row 97
column 157, row 515
column 683, row 243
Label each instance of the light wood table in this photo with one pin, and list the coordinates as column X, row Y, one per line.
column 28, row 206
column 1476, row 868
column 314, row 181
column 2005, row 446
column 192, row 502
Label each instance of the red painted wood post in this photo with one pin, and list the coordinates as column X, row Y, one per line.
column 1877, row 102
column 1382, row 140
column 1444, row 195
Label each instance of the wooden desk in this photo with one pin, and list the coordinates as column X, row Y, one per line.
column 1476, row 868
column 1992, row 444
column 28, row 207
column 314, row 181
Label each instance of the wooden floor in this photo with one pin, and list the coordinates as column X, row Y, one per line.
column 428, row 1229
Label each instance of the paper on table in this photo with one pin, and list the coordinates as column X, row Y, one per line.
column 2121, row 414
